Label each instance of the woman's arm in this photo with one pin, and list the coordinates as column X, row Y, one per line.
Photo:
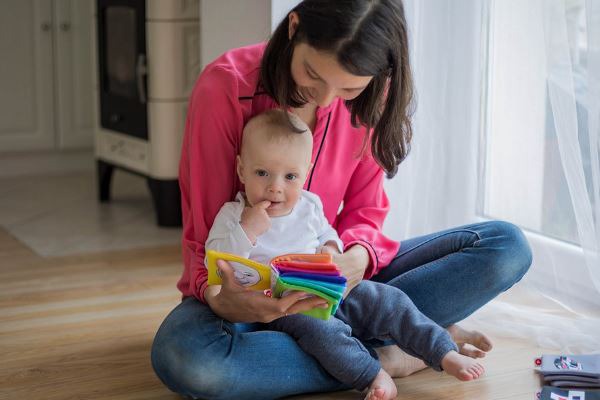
column 360, row 223
column 207, row 168
column 353, row 264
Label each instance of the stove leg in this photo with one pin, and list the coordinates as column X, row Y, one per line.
column 167, row 201
column 104, row 171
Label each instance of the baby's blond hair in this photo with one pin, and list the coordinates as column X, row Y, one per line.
column 276, row 125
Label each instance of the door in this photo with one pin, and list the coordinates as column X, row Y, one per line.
column 26, row 75
column 75, row 104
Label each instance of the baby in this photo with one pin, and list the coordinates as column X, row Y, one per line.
column 276, row 216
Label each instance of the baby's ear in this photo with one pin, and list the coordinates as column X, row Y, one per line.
column 238, row 168
column 310, row 166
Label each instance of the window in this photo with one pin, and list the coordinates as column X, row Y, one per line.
column 522, row 178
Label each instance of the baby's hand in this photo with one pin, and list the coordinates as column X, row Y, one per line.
column 255, row 221
column 329, row 248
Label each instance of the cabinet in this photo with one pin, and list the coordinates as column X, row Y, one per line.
column 46, row 85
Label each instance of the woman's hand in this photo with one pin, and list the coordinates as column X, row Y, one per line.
column 353, row 263
column 236, row 303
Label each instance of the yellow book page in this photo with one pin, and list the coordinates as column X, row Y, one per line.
column 248, row 273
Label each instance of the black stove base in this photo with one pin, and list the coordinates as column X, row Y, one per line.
column 166, row 196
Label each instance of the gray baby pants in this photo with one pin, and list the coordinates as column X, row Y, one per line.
column 372, row 310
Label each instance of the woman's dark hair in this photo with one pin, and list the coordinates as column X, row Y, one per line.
column 369, row 38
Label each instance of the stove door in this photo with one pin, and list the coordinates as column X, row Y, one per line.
column 122, row 66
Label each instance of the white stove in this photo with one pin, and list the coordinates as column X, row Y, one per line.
column 149, row 58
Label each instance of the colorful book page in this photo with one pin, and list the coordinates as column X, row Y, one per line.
column 311, row 258
column 335, row 294
column 310, row 271
column 281, row 289
column 318, row 277
column 307, row 266
column 298, row 281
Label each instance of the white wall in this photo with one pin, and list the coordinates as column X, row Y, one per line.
column 279, row 9
column 226, row 24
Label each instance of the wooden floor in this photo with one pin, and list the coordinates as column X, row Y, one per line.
column 81, row 327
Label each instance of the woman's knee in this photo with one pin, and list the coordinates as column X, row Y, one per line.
column 512, row 255
column 187, row 352
column 197, row 372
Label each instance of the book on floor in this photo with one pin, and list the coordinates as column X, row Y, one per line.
column 573, row 370
column 553, row 393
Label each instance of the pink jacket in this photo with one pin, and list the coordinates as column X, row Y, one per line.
column 349, row 183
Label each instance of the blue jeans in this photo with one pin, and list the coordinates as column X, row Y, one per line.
column 448, row 275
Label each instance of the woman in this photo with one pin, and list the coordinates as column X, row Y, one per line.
column 343, row 67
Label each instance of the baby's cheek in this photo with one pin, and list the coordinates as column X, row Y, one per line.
column 294, row 198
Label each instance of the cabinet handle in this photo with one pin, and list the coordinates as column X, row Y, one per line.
column 65, row 26
column 46, row 26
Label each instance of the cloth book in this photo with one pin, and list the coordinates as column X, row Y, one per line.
column 315, row 274
column 553, row 393
column 576, row 371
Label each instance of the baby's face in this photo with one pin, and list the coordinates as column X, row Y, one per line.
column 275, row 170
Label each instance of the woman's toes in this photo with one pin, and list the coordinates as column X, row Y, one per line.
column 469, row 350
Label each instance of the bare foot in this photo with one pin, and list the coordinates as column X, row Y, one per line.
column 397, row 363
column 473, row 344
column 462, row 367
column 382, row 387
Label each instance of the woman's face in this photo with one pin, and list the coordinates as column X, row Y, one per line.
column 320, row 78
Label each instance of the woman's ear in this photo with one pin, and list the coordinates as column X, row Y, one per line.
column 294, row 20
column 238, row 168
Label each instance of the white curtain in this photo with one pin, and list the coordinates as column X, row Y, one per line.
column 436, row 185
column 477, row 85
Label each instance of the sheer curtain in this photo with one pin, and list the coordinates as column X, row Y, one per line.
column 507, row 127
column 436, row 185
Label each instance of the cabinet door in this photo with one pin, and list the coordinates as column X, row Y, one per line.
column 26, row 75
column 74, row 69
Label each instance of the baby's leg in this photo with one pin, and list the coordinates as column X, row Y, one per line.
column 382, row 388
column 332, row 344
column 376, row 310
column 399, row 364
column 462, row 367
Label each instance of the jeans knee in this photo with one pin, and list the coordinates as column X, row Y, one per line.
column 192, row 365
column 190, row 373
column 205, row 379
column 513, row 256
